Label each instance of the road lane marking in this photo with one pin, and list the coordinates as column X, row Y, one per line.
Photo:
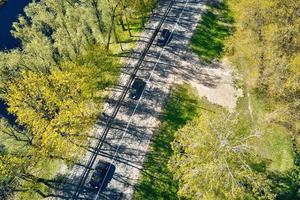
column 130, row 119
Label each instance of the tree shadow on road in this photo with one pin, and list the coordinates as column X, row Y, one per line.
column 157, row 180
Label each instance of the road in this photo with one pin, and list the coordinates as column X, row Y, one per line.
column 128, row 140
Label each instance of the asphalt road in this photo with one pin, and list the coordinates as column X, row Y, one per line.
column 127, row 141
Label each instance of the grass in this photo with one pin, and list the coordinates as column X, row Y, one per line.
column 126, row 41
column 44, row 170
column 156, row 181
column 274, row 143
column 208, row 39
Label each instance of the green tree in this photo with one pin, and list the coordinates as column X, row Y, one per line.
column 58, row 108
column 16, row 160
column 214, row 159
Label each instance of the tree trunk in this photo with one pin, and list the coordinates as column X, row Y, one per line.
column 108, row 39
column 116, row 36
column 258, row 30
column 122, row 23
column 128, row 26
column 261, row 62
column 98, row 14
column 113, row 15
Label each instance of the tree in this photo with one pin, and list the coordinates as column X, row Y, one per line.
column 113, row 8
column 59, row 108
column 54, row 29
column 16, row 160
column 284, row 74
column 214, row 159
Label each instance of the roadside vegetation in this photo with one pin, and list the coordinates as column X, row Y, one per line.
column 157, row 180
column 208, row 38
column 252, row 153
column 55, row 84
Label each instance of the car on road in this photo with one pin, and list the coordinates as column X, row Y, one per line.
column 164, row 37
column 2, row 2
column 102, row 175
column 137, row 88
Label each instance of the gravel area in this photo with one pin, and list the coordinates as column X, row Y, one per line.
column 214, row 82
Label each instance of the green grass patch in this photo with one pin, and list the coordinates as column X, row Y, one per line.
column 129, row 36
column 44, row 170
column 274, row 143
column 208, row 38
column 156, row 181
column 126, row 42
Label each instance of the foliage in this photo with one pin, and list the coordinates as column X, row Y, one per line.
column 58, row 108
column 286, row 184
column 53, row 31
column 65, row 28
column 157, row 180
column 54, row 110
column 215, row 25
column 15, row 157
column 214, row 159
column 265, row 47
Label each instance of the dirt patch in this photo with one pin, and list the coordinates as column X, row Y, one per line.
column 214, row 81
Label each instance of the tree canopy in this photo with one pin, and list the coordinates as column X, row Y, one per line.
column 214, row 159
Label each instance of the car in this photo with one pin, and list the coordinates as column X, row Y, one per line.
column 102, row 175
column 164, row 37
column 137, row 88
column 3, row 2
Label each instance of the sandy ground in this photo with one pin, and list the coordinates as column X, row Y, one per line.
column 214, row 82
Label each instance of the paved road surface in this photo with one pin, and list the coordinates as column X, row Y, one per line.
column 128, row 139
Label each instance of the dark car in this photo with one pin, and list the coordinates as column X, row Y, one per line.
column 137, row 88
column 102, row 175
column 2, row 2
column 164, row 37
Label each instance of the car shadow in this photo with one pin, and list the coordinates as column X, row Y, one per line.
column 108, row 176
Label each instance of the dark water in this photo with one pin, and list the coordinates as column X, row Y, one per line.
column 8, row 14
column 4, row 113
